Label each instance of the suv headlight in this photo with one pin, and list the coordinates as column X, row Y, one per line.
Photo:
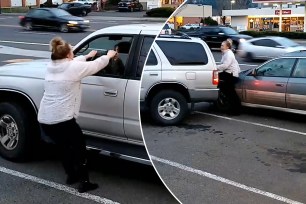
column 242, row 40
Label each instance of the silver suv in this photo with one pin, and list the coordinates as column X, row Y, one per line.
column 109, row 110
column 179, row 70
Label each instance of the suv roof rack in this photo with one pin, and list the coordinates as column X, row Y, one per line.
column 183, row 36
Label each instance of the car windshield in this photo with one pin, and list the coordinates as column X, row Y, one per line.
column 288, row 43
column 229, row 31
column 60, row 12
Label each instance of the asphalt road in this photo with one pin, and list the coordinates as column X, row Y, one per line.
column 256, row 157
column 42, row 180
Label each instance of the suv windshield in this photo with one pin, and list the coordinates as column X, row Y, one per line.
column 229, row 31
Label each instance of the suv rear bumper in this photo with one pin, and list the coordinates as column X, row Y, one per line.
column 203, row 95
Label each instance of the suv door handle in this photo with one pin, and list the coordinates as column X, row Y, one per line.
column 280, row 85
column 112, row 93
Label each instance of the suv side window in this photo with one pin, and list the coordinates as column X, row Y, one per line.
column 276, row 68
column 152, row 60
column 102, row 44
column 145, row 48
column 183, row 53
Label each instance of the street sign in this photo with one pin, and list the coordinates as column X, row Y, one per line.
column 276, row 1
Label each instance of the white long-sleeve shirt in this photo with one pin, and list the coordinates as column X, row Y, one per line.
column 229, row 63
column 62, row 97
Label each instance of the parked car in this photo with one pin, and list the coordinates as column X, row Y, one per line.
column 130, row 5
column 52, row 18
column 76, row 9
column 267, row 48
column 278, row 84
column 109, row 109
column 189, row 26
column 215, row 35
column 180, row 70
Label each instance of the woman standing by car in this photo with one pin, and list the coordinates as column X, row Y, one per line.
column 60, row 107
column 228, row 75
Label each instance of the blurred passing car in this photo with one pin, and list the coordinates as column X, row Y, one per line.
column 267, row 48
column 166, row 29
column 215, row 35
column 130, row 5
column 89, row 2
column 278, row 84
column 76, row 9
column 52, row 18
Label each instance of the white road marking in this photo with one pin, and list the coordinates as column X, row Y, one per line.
column 14, row 26
column 26, row 43
column 224, row 180
column 29, row 32
column 57, row 186
column 252, row 123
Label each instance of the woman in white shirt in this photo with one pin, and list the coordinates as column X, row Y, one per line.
column 60, row 107
column 229, row 75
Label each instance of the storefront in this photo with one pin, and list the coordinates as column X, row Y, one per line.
column 268, row 19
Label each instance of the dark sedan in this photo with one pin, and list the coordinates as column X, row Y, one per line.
column 278, row 84
column 76, row 9
column 215, row 35
column 52, row 18
column 130, row 5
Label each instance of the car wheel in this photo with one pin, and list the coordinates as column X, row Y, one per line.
column 28, row 26
column 84, row 13
column 235, row 47
column 141, row 8
column 168, row 107
column 132, row 9
column 16, row 131
column 64, row 28
column 249, row 57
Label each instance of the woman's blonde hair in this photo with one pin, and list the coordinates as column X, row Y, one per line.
column 228, row 43
column 59, row 48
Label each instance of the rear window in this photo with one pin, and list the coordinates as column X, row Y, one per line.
column 183, row 53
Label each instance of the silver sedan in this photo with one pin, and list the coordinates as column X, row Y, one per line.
column 265, row 48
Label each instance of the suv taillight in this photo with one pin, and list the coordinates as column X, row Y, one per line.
column 215, row 77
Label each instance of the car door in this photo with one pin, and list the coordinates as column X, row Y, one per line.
column 267, row 84
column 132, row 125
column 296, row 89
column 102, row 107
column 45, row 19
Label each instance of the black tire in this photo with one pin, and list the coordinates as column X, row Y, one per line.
column 235, row 47
column 175, row 97
column 22, row 129
column 132, row 9
column 249, row 57
column 84, row 13
column 64, row 28
column 28, row 26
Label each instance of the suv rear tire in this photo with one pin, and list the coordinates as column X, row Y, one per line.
column 16, row 131
column 168, row 107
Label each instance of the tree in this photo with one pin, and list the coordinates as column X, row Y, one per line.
column 209, row 21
